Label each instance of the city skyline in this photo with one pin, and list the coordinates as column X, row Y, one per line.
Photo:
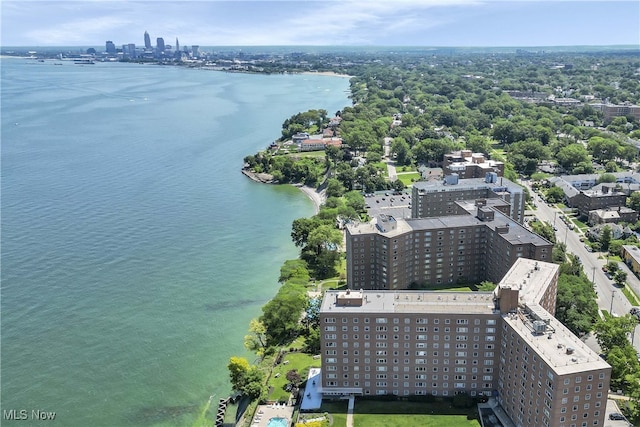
column 286, row 23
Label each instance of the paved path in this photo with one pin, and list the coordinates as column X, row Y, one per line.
column 391, row 170
column 350, row 411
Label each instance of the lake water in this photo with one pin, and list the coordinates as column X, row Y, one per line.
column 134, row 252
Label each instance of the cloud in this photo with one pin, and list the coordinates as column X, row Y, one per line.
column 301, row 22
column 78, row 31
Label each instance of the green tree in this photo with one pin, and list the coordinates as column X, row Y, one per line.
column 335, row 188
column 605, row 237
column 373, row 157
column 312, row 341
column 355, row 200
column 634, row 201
column 602, row 149
column 612, row 332
column 281, row 315
column 254, row 386
column 238, row 368
column 572, row 154
column 555, row 194
column 256, row 340
column 401, row 150
column 620, row 277
column 624, row 366
column 611, row 166
column 543, row 229
column 576, row 305
column 301, row 228
column 607, row 177
column 324, row 237
column 294, row 269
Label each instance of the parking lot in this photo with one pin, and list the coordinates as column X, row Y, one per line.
column 612, row 408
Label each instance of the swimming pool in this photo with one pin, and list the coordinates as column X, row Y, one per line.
column 278, row 422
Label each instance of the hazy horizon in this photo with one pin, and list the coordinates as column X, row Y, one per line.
column 404, row 23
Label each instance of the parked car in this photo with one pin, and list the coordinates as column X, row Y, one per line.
column 615, row 416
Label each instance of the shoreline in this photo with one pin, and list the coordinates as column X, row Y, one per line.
column 317, row 198
column 326, row 73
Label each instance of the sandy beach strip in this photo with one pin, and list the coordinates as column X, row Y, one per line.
column 326, row 73
column 317, row 198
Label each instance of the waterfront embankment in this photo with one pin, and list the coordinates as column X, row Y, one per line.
column 317, row 197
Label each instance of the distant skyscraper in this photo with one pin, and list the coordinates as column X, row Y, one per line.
column 129, row 50
column 194, row 50
column 147, row 40
column 177, row 45
column 160, row 44
column 110, row 47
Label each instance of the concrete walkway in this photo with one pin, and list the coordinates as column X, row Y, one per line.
column 350, row 411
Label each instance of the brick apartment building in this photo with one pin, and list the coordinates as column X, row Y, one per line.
column 467, row 164
column 475, row 242
column 437, row 198
column 504, row 344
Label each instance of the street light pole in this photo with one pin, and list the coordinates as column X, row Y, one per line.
column 613, row 294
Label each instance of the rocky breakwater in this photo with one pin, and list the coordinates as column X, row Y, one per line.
column 259, row 177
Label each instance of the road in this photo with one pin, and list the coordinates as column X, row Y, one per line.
column 610, row 298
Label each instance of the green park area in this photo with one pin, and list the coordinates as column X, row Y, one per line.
column 377, row 413
column 297, row 362
column 408, row 178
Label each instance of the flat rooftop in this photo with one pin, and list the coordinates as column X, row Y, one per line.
column 531, row 277
column 516, row 233
column 467, row 184
column 398, row 206
column 559, row 348
column 408, row 302
column 633, row 252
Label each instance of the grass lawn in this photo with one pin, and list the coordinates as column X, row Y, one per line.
column 332, row 284
column 299, row 361
column 581, row 225
column 320, row 153
column 371, row 413
column 337, row 411
column 408, row 178
column 631, row 296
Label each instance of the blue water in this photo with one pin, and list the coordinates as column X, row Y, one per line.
column 278, row 422
column 134, row 252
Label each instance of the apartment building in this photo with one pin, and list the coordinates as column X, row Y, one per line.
column 591, row 200
column 467, row 164
column 613, row 214
column 476, row 242
column 437, row 198
column 504, row 344
column 610, row 111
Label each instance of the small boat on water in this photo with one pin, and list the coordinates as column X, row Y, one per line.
column 83, row 61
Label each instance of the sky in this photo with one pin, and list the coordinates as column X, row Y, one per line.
column 464, row 23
